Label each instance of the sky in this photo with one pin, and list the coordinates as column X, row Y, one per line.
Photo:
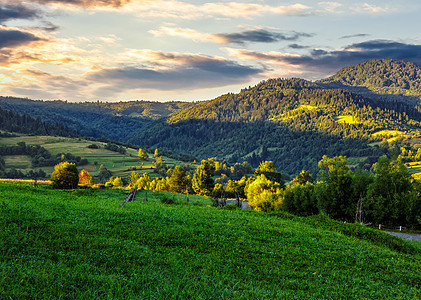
column 120, row 50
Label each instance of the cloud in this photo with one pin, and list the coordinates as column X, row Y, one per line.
column 261, row 36
column 17, row 11
column 179, row 9
column 10, row 38
column 370, row 8
column 323, row 62
column 174, row 71
column 330, row 6
column 82, row 3
column 297, row 46
column 237, row 9
column 254, row 35
column 354, row 35
column 48, row 26
column 45, row 85
column 186, row 33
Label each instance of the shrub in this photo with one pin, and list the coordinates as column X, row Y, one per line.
column 65, row 176
column 85, row 178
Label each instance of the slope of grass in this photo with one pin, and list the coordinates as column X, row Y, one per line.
column 120, row 165
column 82, row 244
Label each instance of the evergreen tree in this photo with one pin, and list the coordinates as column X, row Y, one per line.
column 177, row 181
column 202, row 181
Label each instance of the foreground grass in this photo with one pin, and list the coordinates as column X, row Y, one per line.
column 81, row 244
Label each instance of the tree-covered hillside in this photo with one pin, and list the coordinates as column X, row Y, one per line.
column 290, row 121
column 14, row 122
column 386, row 76
column 115, row 121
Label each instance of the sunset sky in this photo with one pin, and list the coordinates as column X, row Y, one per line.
column 114, row 50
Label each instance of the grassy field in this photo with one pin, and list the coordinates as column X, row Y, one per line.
column 120, row 165
column 82, row 244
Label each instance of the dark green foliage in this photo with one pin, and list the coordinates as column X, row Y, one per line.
column 65, row 176
column 93, row 146
column 300, row 200
column 116, row 121
column 267, row 122
column 334, row 194
column 389, row 197
column 115, row 148
column 202, row 181
column 16, row 122
column 104, row 174
column 393, row 197
column 382, row 75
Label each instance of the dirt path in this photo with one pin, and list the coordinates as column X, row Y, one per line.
column 415, row 237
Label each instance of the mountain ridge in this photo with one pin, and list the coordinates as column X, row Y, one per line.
column 293, row 122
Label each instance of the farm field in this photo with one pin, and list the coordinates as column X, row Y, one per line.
column 82, row 244
column 120, row 165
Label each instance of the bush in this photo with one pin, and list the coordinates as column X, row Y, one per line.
column 85, row 179
column 65, row 176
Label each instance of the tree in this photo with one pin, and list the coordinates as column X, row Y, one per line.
column 177, row 180
column 268, row 169
column 143, row 154
column 300, row 199
column 393, row 196
column 65, row 176
column 104, row 173
column 263, row 194
column 202, row 181
column 85, row 179
column 144, row 182
column 134, row 177
column 334, row 193
column 117, row 182
column 303, row 178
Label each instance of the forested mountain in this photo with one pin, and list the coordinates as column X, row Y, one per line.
column 290, row 121
column 382, row 76
column 14, row 122
column 142, row 109
column 115, row 121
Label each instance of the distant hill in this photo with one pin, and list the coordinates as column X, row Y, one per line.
column 115, row 121
column 292, row 122
column 382, row 76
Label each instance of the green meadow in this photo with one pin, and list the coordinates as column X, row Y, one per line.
column 80, row 244
column 120, row 165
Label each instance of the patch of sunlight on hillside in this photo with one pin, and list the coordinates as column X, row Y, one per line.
column 392, row 135
column 388, row 133
column 307, row 107
column 414, row 167
column 346, row 119
column 417, row 176
column 294, row 112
